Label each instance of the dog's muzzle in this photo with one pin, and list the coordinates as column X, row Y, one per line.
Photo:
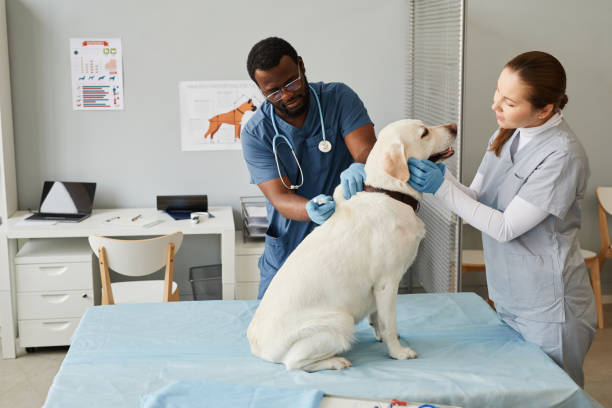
column 442, row 155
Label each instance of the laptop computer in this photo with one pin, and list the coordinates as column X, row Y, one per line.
column 65, row 201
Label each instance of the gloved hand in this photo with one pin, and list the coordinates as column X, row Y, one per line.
column 442, row 167
column 352, row 179
column 425, row 175
column 319, row 213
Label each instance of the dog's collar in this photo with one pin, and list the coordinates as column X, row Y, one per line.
column 404, row 198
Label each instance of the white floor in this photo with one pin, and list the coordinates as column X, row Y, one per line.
column 24, row 381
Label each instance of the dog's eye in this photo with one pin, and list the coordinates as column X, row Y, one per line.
column 425, row 132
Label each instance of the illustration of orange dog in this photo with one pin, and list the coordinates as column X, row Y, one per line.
column 232, row 117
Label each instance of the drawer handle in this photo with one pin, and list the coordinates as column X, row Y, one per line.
column 53, row 270
column 55, row 298
column 57, row 326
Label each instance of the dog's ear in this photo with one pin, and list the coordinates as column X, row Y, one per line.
column 395, row 162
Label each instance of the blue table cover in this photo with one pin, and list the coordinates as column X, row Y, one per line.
column 467, row 357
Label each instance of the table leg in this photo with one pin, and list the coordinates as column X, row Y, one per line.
column 596, row 283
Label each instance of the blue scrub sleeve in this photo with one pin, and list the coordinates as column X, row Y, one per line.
column 259, row 158
column 554, row 185
column 351, row 110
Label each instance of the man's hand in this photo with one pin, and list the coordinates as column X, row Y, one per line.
column 352, row 179
column 320, row 208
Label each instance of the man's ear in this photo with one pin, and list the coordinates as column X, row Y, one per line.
column 395, row 162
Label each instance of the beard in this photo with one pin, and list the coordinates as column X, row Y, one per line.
column 282, row 108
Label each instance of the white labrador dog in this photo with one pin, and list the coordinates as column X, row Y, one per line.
column 350, row 266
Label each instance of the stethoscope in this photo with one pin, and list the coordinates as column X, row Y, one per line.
column 325, row 145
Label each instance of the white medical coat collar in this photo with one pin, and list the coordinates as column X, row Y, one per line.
column 533, row 131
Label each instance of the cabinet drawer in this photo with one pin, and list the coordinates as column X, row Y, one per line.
column 53, row 276
column 40, row 333
column 50, row 305
column 247, row 269
column 247, row 290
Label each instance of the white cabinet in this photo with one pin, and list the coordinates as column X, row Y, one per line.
column 247, row 271
column 54, row 282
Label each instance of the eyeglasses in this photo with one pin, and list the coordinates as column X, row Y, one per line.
column 290, row 87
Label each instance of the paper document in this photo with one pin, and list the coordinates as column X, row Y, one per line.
column 256, row 211
column 213, row 113
column 97, row 73
column 32, row 223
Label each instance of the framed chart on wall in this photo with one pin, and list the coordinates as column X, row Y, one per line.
column 97, row 73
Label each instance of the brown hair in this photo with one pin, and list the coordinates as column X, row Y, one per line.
column 545, row 79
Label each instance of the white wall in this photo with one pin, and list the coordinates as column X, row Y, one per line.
column 578, row 33
column 135, row 154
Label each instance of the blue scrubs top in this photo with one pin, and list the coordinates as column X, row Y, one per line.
column 343, row 112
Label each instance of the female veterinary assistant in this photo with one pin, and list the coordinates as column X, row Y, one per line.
column 302, row 141
column 526, row 199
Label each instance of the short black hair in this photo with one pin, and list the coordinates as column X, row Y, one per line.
column 267, row 54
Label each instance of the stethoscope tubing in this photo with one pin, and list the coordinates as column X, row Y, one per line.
column 286, row 140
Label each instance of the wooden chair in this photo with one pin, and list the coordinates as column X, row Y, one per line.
column 591, row 259
column 604, row 203
column 604, row 200
column 472, row 260
column 137, row 258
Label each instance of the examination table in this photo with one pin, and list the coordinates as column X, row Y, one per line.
column 467, row 357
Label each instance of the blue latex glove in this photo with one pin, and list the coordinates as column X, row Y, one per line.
column 425, row 175
column 319, row 213
column 352, row 179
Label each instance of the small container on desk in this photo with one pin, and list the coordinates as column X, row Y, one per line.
column 254, row 217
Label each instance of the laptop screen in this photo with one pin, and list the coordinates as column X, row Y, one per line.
column 60, row 197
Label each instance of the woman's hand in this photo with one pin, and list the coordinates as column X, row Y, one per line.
column 425, row 175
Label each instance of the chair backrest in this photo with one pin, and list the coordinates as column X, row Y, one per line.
column 136, row 257
column 604, row 197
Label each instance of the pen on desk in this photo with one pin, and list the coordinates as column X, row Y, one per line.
column 136, row 217
column 113, row 218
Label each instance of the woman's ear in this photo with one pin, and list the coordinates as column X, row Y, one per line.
column 395, row 162
column 545, row 111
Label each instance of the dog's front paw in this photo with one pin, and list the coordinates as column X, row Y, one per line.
column 403, row 353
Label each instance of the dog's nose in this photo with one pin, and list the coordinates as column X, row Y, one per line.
column 453, row 128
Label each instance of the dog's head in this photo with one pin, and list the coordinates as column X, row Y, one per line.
column 401, row 140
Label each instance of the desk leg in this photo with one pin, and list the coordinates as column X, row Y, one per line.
column 8, row 250
column 228, row 261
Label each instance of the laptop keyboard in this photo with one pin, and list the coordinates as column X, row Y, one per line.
column 47, row 216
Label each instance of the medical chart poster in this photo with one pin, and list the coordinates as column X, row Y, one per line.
column 97, row 73
column 213, row 113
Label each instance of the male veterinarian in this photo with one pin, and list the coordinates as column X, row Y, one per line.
column 303, row 141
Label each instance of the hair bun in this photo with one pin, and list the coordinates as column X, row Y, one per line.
column 563, row 101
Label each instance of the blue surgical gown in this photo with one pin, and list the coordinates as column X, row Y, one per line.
column 539, row 281
column 343, row 112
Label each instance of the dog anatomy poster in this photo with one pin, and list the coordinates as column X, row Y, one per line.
column 97, row 73
column 214, row 112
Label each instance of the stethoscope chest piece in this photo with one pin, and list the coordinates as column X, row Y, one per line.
column 325, row 146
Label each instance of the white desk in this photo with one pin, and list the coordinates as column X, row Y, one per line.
column 14, row 228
